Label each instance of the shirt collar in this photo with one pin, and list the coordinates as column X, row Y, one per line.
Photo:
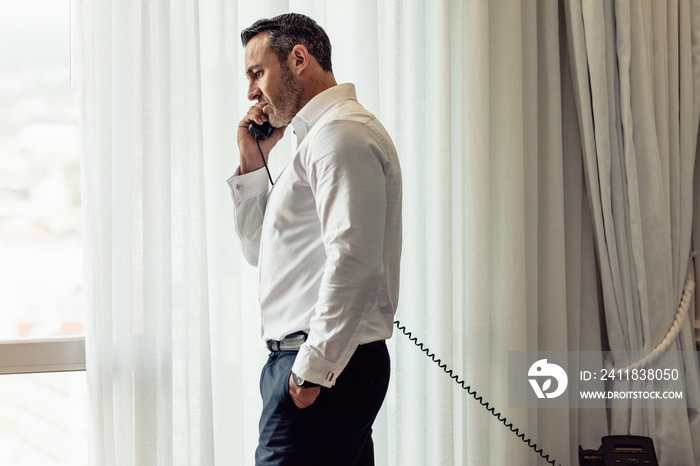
column 318, row 105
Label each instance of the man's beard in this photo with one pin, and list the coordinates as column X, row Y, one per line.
column 287, row 100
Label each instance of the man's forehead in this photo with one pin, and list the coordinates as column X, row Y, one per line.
column 256, row 51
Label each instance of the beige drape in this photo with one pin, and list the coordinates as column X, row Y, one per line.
column 635, row 68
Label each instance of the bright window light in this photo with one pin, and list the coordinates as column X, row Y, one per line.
column 43, row 419
column 41, row 270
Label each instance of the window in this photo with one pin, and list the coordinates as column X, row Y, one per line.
column 43, row 419
column 43, row 389
column 40, row 239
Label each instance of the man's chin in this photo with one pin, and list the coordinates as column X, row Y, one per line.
column 277, row 122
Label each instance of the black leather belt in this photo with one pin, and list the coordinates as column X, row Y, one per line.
column 294, row 341
column 289, row 343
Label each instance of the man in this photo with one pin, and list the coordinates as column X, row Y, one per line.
column 327, row 240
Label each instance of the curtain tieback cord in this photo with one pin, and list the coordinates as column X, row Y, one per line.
column 675, row 328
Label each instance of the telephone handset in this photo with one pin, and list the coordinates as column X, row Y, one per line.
column 260, row 133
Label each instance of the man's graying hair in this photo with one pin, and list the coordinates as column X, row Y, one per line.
column 286, row 31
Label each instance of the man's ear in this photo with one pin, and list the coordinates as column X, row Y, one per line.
column 298, row 59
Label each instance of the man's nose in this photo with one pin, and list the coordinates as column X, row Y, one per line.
column 253, row 92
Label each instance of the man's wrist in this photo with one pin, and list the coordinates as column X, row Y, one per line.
column 300, row 382
column 251, row 164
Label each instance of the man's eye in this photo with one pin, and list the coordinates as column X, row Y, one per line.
column 258, row 74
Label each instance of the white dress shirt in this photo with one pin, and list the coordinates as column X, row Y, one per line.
column 327, row 236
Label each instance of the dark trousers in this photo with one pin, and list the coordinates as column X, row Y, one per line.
column 335, row 430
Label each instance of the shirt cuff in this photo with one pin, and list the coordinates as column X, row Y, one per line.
column 317, row 370
column 248, row 185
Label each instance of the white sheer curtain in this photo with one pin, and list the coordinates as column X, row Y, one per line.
column 637, row 85
column 148, row 333
column 471, row 93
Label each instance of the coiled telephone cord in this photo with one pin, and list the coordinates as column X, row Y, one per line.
column 473, row 393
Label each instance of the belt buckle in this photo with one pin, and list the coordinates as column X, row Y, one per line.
column 288, row 343
column 292, row 343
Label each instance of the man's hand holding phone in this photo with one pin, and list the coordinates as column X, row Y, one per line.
column 248, row 146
